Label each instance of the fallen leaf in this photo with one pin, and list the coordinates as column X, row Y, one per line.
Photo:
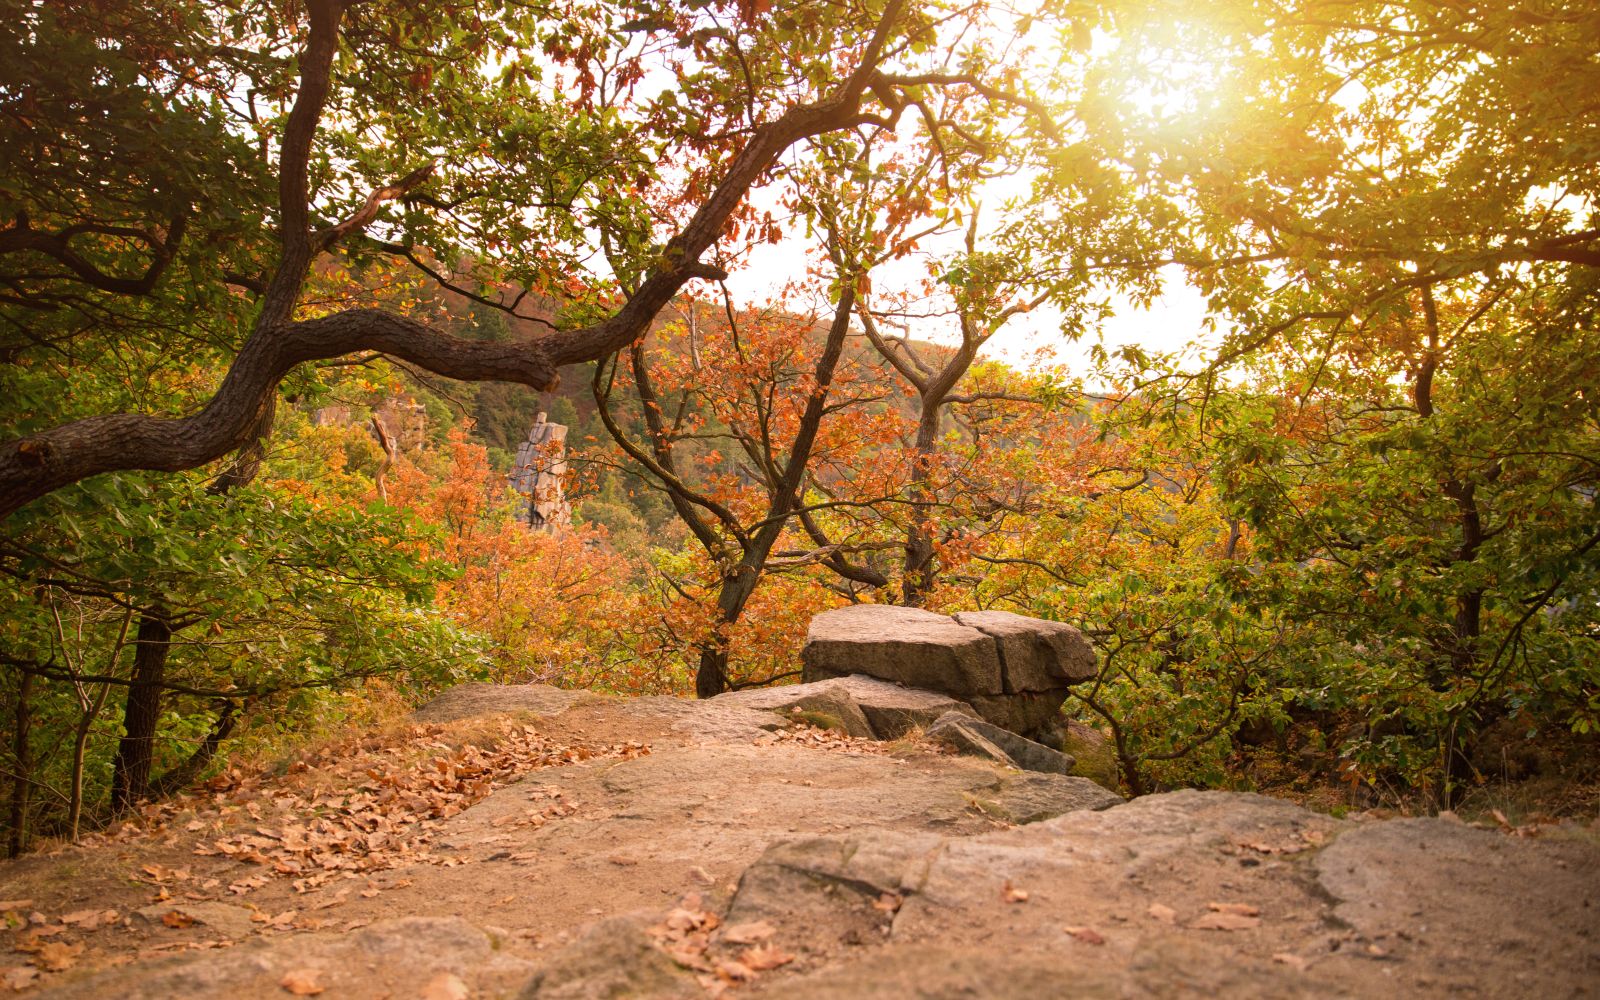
column 1163, row 913
column 733, row 971
column 748, row 933
column 1290, row 959
column 764, row 957
column 57, row 956
column 1240, row 909
column 177, row 919
column 445, row 986
column 1087, row 935
column 302, row 982
column 89, row 919
column 1225, row 922
column 1012, row 894
column 18, row 977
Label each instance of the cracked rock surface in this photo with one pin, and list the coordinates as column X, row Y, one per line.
column 743, row 858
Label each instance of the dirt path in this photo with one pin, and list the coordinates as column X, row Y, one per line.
column 586, row 847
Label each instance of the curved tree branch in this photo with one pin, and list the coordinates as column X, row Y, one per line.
column 37, row 465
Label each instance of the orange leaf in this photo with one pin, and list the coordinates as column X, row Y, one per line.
column 764, row 957
column 56, row 956
column 1226, row 922
column 1087, row 935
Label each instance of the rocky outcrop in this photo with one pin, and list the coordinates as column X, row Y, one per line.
column 974, row 736
column 817, row 870
column 1014, row 671
column 887, row 711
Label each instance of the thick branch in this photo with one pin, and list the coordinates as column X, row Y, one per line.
column 34, row 466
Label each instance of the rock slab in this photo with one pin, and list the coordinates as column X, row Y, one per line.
column 885, row 710
column 1013, row 670
column 985, row 739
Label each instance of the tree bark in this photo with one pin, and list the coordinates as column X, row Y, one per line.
column 130, row 775
column 919, row 576
column 181, row 776
column 22, row 782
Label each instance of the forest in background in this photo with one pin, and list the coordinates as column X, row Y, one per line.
column 1349, row 550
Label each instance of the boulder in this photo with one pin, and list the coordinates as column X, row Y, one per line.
column 1035, row 654
column 894, row 710
column 864, row 706
column 829, row 699
column 963, row 732
column 1096, row 757
column 1021, row 713
column 965, row 739
column 1014, row 671
column 1033, row 796
column 909, row 646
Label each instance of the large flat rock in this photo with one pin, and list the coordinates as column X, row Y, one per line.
column 1015, row 671
column 1036, row 654
column 909, row 646
column 398, row 957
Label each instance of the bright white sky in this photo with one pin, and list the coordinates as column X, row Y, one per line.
column 1169, row 325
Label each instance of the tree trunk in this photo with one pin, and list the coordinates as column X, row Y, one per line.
column 130, row 776
column 711, row 679
column 80, row 746
column 183, row 775
column 919, row 576
column 22, row 783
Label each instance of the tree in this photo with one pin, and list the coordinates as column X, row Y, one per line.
column 359, row 72
column 1393, row 213
column 760, row 384
column 259, row 598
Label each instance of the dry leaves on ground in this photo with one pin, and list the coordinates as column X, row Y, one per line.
column 18, row 977
column 377, row 809
column 1228, row 917
column 807, row 735
column 1305, row 840
column 690, row 936
column 1088, row 935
